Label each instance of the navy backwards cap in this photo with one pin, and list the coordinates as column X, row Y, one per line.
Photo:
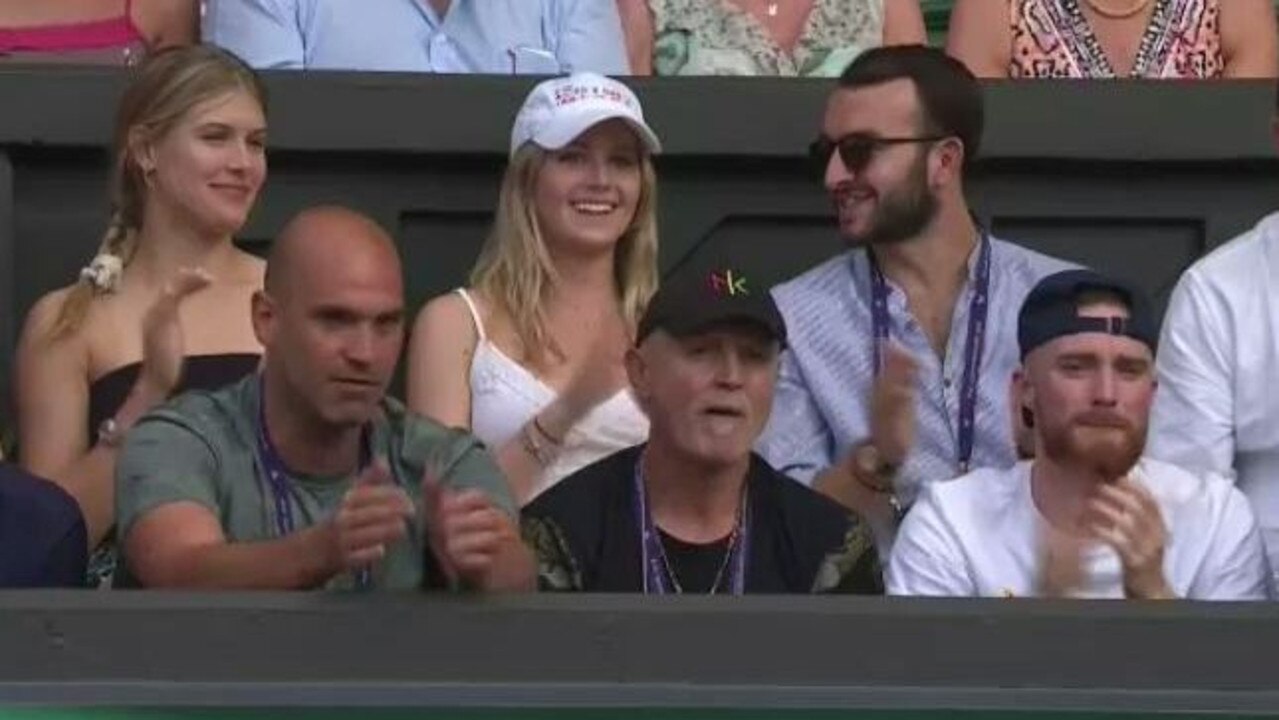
column 689, row 301
column 1051, row 310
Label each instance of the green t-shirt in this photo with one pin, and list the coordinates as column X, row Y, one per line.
column 202, row 447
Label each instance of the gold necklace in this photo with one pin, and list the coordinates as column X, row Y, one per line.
column 1136, row 7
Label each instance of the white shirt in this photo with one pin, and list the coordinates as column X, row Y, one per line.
column 1218, row 365
column 980, row 535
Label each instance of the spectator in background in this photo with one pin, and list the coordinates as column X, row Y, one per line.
column 42, row 538
column 1218, row 365
column 530, row 356
column 1169, row 39
column 307, row 475
column 164, row 304
column 1088, row 516
column 901, row 349
column 762, row 37
column 116, row 32
column 694, row 510
column 500, row 37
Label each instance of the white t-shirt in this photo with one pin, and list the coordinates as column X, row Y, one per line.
column 1218, row 363
column 980, row 535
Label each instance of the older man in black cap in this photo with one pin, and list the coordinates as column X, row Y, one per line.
column 694, row 510
column 1088, row 517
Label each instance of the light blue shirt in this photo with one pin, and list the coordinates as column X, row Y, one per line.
column 821, row 408
column 475, row 36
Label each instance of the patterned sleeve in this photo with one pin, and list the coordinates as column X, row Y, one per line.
column 851, row 568
column 557, row 569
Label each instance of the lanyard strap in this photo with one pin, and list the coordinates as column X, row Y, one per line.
column 653, row 561
column 278, row 480
column 277, row 477
column 973, row 347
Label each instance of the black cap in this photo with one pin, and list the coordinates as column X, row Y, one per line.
column 690, row 301
column 1051, row 310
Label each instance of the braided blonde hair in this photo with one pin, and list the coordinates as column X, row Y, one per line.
column 163, row 89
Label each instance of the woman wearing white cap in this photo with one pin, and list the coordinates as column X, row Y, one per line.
column 529, row 357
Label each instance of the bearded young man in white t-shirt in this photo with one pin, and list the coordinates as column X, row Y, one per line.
column 1088, row 517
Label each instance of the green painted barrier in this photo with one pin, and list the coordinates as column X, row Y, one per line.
column 575, row 714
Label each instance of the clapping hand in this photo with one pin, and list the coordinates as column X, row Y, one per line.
column 374, row 514
column 892, row 418
column 163, row 344
column 465, row 531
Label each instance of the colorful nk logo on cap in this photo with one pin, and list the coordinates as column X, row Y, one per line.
column 725, row 282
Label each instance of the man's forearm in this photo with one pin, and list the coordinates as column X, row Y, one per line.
column 303, row 560
column 514, row 569
column 838, row 484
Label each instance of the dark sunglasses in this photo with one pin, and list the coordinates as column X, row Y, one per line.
column 856, row 150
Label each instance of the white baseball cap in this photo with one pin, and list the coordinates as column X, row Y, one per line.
column 558, row 110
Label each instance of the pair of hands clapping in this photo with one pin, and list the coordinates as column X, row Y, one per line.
column 464, row 530
column 1125, row 517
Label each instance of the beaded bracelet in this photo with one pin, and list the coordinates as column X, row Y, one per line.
column 534, row 448
column 537, row 425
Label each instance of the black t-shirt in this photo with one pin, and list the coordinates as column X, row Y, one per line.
column 697, row 567
column 586, row 536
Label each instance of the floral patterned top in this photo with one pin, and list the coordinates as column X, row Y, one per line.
column 586, row 534
column 716, row 37
column 1052, row 39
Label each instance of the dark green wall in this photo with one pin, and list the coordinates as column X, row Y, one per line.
column 1135, row 178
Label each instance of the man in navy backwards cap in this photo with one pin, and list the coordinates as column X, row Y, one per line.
column 694, row 510
column 1089, row 516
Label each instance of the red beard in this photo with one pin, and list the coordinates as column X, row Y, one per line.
column 1107, row 446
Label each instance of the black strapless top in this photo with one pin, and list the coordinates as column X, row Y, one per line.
column 201, row 372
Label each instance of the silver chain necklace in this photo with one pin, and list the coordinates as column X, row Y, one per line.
column 723, row 564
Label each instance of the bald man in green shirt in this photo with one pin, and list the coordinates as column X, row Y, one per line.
column 306, row 475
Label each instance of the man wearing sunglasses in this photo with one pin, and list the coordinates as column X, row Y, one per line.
column 903, row 347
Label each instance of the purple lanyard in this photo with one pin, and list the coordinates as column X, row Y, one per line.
column 973, row 348
column 653, row 560
column 277, row 476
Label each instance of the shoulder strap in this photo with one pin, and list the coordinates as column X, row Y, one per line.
column 475, row 312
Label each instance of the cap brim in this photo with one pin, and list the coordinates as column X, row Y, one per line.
column 573, row 125
column 691, row 324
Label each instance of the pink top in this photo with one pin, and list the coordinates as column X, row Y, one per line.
column 114, row 40
column 1052, row 39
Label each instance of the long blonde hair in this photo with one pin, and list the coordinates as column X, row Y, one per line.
column 163, row 89
column 515, row 271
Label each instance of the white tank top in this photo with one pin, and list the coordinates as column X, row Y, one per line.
column 505, row 395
